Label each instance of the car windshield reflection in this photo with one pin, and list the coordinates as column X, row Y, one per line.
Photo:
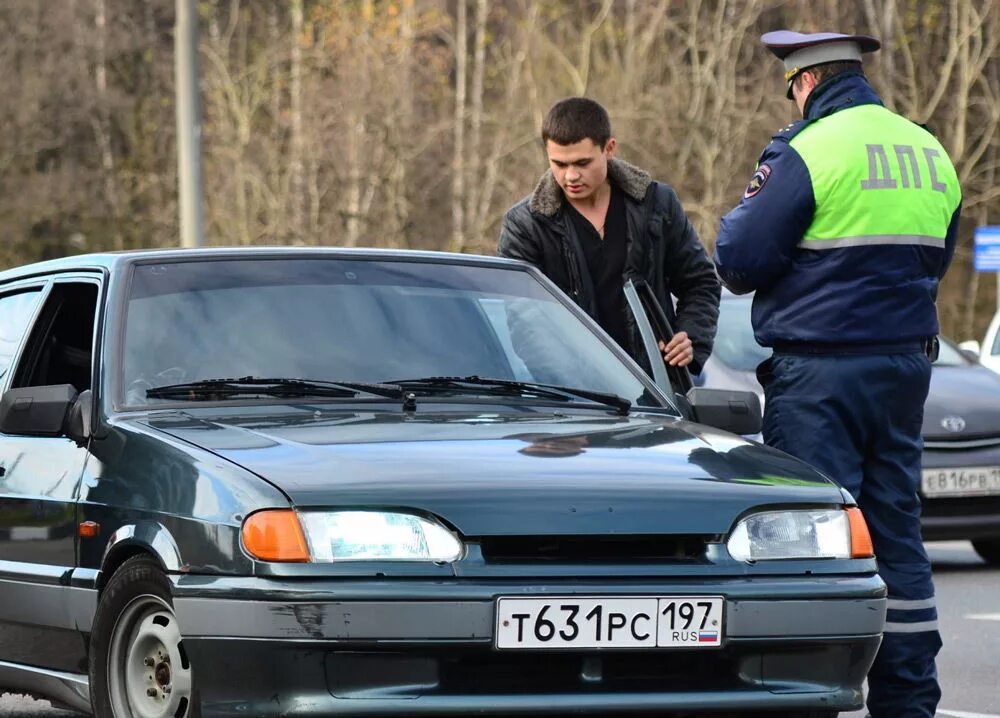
column 357, row 320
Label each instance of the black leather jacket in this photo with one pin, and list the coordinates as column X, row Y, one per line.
column 662, row 248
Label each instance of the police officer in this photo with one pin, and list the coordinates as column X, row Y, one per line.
column 847, row 226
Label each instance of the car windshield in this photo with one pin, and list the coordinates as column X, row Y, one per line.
column 735, row 345
column 357, row 320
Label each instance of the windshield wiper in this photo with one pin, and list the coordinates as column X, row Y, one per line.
column 209, row 389
column 506, row 387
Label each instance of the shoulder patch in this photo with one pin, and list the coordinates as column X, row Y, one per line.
column 785, row 134
column 758, row 180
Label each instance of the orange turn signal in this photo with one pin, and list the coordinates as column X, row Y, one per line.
column 275, row 535
column 861, row 540
column 90, row 529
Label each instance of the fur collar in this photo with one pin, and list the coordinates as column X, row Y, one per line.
column 634, row 182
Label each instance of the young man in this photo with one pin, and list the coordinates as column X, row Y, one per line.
column 593, row 221
column 845, row 230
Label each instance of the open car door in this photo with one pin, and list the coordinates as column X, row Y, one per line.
column 735, row 411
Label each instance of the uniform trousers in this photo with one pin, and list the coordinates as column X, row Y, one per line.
column 857, row 418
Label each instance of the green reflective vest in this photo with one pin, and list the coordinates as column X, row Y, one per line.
column 896, row 186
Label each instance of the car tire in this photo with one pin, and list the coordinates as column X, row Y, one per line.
column 989, row 551
column 138, row 665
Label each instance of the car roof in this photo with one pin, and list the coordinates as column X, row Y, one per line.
column 111, row 261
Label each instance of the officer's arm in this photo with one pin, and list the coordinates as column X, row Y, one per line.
column 517, row 240
column 757, row 239
column 950, row 240
column 692, row 279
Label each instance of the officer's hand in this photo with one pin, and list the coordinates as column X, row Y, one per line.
column 679, row 351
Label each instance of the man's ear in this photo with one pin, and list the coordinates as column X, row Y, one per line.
column 609, row 147
column 809, row 80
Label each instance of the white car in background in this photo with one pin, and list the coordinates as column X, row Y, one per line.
column 989, row 351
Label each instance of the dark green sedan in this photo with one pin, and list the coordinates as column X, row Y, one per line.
column 313, row 482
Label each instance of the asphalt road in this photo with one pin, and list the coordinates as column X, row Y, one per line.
column 969, row 607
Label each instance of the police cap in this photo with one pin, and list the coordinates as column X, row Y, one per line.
column 800, row 51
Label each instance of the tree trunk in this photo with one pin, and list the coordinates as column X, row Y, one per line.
column 296, row 166
column 474, row 166
column 102, row 121
column 458, row 152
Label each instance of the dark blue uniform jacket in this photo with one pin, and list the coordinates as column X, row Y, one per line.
column 849, row 296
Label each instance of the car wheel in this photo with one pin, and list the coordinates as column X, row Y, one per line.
column 989, row 550
column 138, row 666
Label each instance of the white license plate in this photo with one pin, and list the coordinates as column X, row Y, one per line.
column 967, row 481
column 606, row 622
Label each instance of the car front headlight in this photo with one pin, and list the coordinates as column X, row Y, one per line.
column 810, row 533
column 329, row 536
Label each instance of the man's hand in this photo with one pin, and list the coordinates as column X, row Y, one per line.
column 679, row 351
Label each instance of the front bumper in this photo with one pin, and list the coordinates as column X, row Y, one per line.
column 267, row 647
column 959, row 517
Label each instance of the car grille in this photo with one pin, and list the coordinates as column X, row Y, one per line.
column 960, row 506
column 488, row 672
column 454, row 671
column 540, row 673
column 959, row 443
column 593, row 549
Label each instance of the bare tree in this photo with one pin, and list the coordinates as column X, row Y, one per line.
column 458, row 154
column 414, row 123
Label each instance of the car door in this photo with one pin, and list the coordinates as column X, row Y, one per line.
column 654, row 327
column 40, row 475
column 736, row 411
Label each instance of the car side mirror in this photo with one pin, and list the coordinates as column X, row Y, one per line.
column 36, row 410
column 80, row 418
column 737, row 412
column 970, row 347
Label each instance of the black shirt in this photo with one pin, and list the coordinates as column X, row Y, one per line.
column 606, row 261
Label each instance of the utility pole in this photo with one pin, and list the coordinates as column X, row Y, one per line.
column 188, row 123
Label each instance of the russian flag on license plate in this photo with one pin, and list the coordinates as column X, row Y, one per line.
column 708, row 636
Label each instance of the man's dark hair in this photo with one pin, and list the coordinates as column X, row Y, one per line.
column 829, row 69
column 576, row 119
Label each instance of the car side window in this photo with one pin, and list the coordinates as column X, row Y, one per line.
column 60, row 347
column 16, row 311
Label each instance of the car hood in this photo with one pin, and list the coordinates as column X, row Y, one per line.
column 963, row 403
column 492, row 474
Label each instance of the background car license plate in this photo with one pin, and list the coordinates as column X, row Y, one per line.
column 606, row 622
column 967, row 481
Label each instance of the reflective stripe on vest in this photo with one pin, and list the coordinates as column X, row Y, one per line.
column 877, row 179
column 872, row 240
